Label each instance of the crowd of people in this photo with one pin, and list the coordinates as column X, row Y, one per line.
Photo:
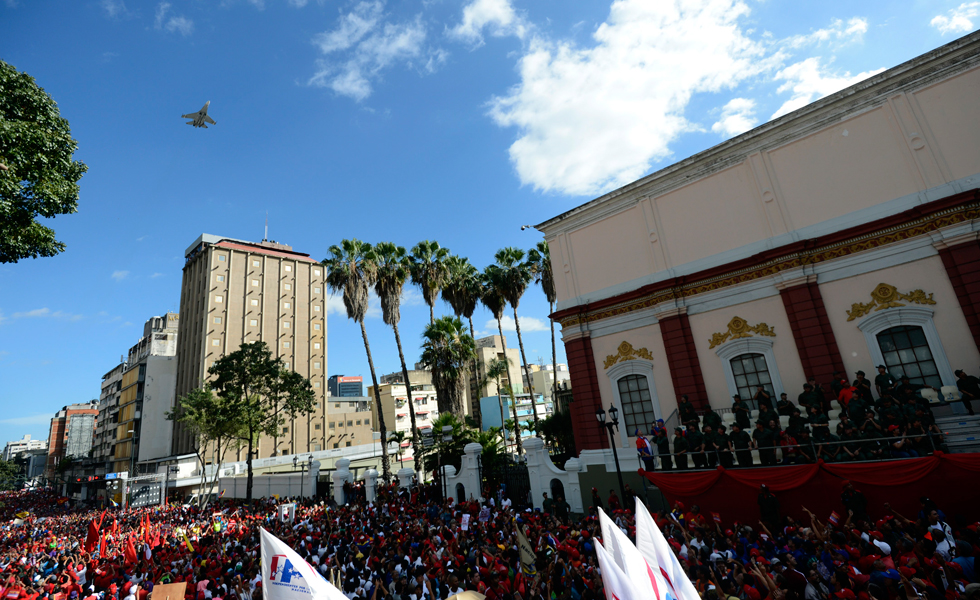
column 864, row 419
column 411, row 545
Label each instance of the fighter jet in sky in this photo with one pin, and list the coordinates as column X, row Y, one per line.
column 200, row 117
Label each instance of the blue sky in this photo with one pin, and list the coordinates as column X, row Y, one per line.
column 457, row 121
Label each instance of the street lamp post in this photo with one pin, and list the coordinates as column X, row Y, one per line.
column 600, row 416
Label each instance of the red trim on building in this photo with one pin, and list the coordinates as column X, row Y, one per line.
column 918, row 212
column 815, row 340
column 963, row 268
column 260, row 250
column 682, row 360
column 589, row 435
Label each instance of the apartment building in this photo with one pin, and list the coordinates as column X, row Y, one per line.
column 341, row 385
column 103, row 448
column 488, row 349
column 71, row 433
column 235, row 292
column 542, row 378
column 25, row 444
column 350, row 422
column 394, row 404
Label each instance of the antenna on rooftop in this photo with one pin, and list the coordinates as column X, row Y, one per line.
column 265, row 238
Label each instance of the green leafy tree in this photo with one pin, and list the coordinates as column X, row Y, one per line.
column 494, row 299
column 258, row 393
column 558, row 433
column 429, row 271
column 398, row 437
column 38, row 178
column 10, row 475
column 392, row 267
column 516, row 274
column 462, row 291
column 447, row 350
column 351, row 270
column 210, row 420
column 447, row 452
column 540, row 261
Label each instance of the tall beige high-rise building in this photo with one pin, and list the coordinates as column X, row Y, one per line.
column 236, row 292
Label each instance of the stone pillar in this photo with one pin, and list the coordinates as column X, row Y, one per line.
column 405, row 476
column 340, row 476
column 537, row 470
column 469, row 471
column 815, row 341
column 585, row 385
column 682, row 358
column 961, row 257
column 371, row 485
column 573, row 489
column 312, row 476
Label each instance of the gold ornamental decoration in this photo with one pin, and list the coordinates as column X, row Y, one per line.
column 627, row 352
column 887, row 296
column 739, row 328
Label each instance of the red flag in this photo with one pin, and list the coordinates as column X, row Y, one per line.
column 115, row 526
column 130, row 552
column 93, row 536
column 156, row 538
column 102, row 547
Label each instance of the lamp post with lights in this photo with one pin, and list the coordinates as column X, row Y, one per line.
column 600, row 416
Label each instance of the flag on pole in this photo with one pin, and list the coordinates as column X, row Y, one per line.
column 527, row 552
column 286, row 576
column 183, row 535
column 654, row 548
column 834, row 518
column 615, row 584
column 647, row 580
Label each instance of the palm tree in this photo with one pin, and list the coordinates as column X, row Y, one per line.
column 540, row 259
column 495, row 301
column 391, row 263
column 428, row 271
column 517, row 275
column 399, row 438
column 496, row 369
column 447, row 350
column 462, row 291
column 351, row 270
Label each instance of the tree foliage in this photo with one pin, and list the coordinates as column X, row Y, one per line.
column 494, row 283
column 39, row 179
column 11, row 477
column 429, row 271
column 447, row 351
column 258, row 393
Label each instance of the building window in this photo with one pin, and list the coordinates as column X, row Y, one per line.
column 215, row 342
column 316, row 365
column 286, row 365
column 255, row 302
column 287, row 287
column 221, row 258
column 221, row 277
column 350, row 423
column 317, row 427
column 634, row 394
column 285, row 429
column 255, row 283
column 316, row 447
column 286, row 305
column 217, row 320
column 316, row 345
column 316, row 290
column 256, row 263
column 331, row 424
column 337, row 405
column 316, row 272
column 218, row 299
column 348, row 444
column 358, row 421
column 288, row 268
column 254, row 322
column 285, row 344
column 316, row 327
column 906, row 352
column 285, row 324
column 336, row 445
column 367, row 421
column 316, row 384
column 750, row 372
column 316, row 308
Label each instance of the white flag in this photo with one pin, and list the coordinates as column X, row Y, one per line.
column 654, row 548
column 645, row 577
column 615, row 583
column 286, row 576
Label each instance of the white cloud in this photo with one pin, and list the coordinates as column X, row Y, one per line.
column 155, row 275
column 852, row 30
column 367, row 45
column 41, row 419
column 738, row 116
column 527, row 324
column 171, row 24
column 335, row 306
column 497, row 16
column 120, row 275
column 957, row 20
column 114, row 8
column 808, row 80
column 592, row 119
column 37, row 312
column 412, row 297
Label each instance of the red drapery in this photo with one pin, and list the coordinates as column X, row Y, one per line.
column 949, row 480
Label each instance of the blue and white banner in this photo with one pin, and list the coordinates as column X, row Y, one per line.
column 286, row 576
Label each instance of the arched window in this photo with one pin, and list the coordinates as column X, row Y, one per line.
column 460, row 493
column 634, row 395
column 557, row 489
column 905, row 351
column 750, row 371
